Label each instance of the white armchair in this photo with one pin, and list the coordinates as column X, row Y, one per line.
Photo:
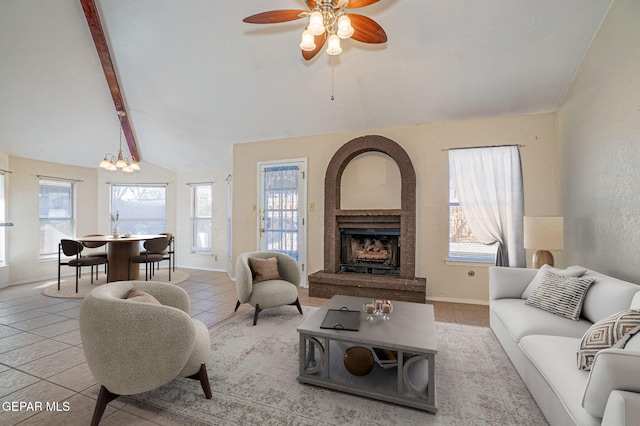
column 267, row 293
column 133, row 347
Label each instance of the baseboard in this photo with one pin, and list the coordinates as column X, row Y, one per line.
column 457, row 300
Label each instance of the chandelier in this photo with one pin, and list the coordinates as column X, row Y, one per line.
column 113, row 163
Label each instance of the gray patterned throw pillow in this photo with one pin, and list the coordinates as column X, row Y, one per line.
column 561, row 295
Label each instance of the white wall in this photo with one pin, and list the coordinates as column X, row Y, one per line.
column 370, row 181
column 424, row 143
column 599, row 132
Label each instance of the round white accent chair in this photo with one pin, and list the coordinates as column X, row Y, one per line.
column 133, row 347
column 269, row 293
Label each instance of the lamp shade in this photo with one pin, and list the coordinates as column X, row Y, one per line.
column 334, row 45
column 543, row 232
column 345, row 30
column 316, row 23
column 308, row 41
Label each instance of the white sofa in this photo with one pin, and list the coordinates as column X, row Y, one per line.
column 543, row 348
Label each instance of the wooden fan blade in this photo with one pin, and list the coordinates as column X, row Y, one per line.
column 311, row 3
column 274, row 16
column 319, row 41
column 354, row 4
column 367, row 30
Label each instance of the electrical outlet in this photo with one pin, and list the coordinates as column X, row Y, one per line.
column 312, row 207
column 215, row 257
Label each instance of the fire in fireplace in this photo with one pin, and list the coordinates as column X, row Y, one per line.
column 370, row 251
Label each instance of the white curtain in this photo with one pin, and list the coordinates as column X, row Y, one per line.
column 489, row 186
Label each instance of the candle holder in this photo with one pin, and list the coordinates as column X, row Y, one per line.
column 369, row 309
column 387, row 308
column 378, row 306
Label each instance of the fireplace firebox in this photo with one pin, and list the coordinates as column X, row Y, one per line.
column 370, row 251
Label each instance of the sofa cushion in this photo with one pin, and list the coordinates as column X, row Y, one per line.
column 607, row 296
column 554, row 358
column 571, row 271
column 272, row 293
column 606, row 333
column 560, row 294
column 264, row 269
column 521, row 320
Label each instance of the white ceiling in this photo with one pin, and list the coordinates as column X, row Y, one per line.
column 196, row 79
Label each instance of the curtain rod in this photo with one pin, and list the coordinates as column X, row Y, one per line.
column 5, row 171
column 138, row 184
column 200, row 183
column 58, row 178
column 486, row 146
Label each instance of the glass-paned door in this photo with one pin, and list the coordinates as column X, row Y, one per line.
column 282, row 208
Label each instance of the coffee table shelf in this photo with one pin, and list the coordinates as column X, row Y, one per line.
column 410, row 333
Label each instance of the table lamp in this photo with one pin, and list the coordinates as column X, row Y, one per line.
column 543, row 233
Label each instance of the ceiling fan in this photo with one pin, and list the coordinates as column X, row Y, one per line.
column 328, row 22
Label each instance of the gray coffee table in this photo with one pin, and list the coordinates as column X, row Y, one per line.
column 410, row 332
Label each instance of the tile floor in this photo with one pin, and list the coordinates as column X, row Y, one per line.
column 41, row 356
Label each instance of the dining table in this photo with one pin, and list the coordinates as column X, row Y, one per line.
column 119, row 250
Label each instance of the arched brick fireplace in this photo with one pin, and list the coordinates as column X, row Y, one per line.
column 393, row 279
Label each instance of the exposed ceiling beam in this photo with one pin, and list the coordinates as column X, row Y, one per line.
column 100, row 41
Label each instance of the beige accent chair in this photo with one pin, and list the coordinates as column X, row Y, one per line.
column 133, row 347
column 270, row 293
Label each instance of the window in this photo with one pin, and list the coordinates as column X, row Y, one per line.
column 201, row 208
column 463, row 245
column 141, row 208
column 2, row 220
column 56, row 213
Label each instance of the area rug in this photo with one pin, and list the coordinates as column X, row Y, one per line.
column 68, row 284
column 253, row 372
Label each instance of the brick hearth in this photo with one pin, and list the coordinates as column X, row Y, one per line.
column 326, row 285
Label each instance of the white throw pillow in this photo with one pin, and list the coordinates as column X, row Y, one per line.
column 571, row 271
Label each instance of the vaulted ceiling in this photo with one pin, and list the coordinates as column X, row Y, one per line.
column 196, row 79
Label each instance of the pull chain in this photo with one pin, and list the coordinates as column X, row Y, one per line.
column 332, row 97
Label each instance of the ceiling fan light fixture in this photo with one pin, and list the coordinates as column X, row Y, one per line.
column 345, row 30
column 316, row 23
column 328, row 22
column 308, row 43
column 333, row 47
